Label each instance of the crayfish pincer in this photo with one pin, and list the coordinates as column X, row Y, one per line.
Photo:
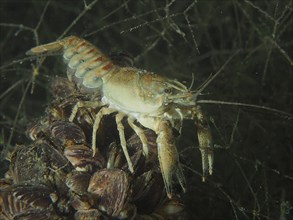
column 146, row 99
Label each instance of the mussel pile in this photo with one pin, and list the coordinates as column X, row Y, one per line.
column 57, row 176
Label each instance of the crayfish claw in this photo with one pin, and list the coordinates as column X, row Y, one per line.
column 169, row 158
column 206, row 149
column 205, row 145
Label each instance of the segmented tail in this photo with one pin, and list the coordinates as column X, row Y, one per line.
column 85, row 62
column 46, row 48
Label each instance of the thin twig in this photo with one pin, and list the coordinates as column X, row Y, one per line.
column 85, row 10
column 210, row 79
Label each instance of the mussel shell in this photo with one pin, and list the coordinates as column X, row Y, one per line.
column 80, row 202
column 129, row 212
column 26, row 202
column 39, row 163
column 115, row 157
column 62, row 88
column 5, row 182
column 78, row 182
column 67, row 132
column 172, row 209
column 61, row 110
column 36, row 129
column 37, row 215
column 148, row 192
column 81, row 157
column 111, row 188
column 91, row 214
column 134, row 144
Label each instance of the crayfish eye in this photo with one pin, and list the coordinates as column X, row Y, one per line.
column 168, row 91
